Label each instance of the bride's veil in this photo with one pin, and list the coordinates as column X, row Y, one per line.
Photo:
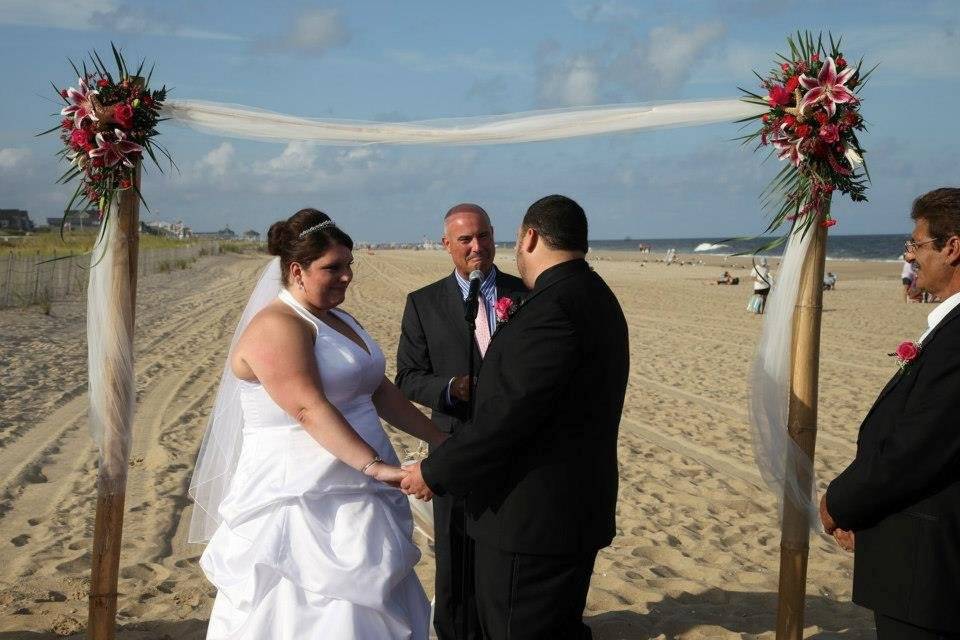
column 218, row 455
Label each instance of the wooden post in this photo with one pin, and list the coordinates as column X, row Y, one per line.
column 802, row 427
column 115, row 448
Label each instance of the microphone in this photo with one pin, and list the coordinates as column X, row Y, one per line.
column 470, row 304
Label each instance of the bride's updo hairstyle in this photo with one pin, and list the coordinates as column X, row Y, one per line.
column 297, row 239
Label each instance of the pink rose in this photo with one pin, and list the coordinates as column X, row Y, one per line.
column 503, row 308
column 907, row 352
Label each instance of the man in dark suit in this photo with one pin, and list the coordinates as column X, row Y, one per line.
column 539, row 463
column 432, row 370
column 899, row 500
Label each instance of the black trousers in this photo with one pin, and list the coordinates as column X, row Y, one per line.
column 892, row 629
column 453, row 552
column 527, row 597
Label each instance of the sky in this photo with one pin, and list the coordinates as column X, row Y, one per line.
column 423, row 59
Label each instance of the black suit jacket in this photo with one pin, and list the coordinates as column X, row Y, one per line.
column 539, row 463
column 432, row 346
column 901, row 493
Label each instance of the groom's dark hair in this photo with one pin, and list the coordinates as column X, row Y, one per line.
column 941, row 209
column 560, row 221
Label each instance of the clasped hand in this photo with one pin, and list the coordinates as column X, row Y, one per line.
column 407, row 478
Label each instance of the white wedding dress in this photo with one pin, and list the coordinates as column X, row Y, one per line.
column 309, row 547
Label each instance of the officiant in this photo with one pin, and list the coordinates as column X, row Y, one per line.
column 432, row 370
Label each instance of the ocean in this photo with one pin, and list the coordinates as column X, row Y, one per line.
column 885, row 248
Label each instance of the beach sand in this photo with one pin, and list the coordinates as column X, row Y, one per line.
column 697, row 549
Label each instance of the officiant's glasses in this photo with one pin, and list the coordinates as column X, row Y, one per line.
column 911, row 245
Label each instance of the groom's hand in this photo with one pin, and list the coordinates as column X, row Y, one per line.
column 414, row 484
column 825, row 518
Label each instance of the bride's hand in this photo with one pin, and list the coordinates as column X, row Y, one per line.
column 387, row 473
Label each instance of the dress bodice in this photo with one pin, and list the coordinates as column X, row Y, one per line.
column 349, row 374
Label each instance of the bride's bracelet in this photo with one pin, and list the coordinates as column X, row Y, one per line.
column 375, row 460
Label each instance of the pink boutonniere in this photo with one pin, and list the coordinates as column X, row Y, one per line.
column 505, row 308
column 906, row 353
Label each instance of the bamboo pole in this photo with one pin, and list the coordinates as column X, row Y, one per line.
column 115, row 448
column 802, row 428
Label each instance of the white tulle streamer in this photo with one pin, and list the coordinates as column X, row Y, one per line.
column 257, row 124
column 217, row 460
column 112, row 391
column 781, row 462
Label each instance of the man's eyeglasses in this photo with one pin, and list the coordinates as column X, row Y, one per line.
column 911, row 246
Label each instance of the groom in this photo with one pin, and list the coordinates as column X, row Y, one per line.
column 538, row 466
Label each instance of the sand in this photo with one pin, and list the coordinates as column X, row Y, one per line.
column 697, row 549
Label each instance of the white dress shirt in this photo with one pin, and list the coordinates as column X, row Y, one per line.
column 937, row 315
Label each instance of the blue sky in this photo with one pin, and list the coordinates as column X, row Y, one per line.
column 423, row 59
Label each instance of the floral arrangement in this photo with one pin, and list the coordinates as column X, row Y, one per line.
column 107, row 124
column 811, row 120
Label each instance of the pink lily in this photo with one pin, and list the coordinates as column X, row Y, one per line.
column 789, row 149
column 82, row 109
column 828, row 86
column 115, row 152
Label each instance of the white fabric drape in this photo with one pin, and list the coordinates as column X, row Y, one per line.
column 111, row 384
column 217, row 460
column 780, row 461
column 257, row 124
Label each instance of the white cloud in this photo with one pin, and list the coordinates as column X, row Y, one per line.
column 315, row 32
column 13, row 158
column 100, row 14
column 218, row 162
column 297, row 157
column 568, row 82
column 480, row 61
column 655, row 65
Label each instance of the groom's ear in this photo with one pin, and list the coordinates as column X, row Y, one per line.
column 529, row 240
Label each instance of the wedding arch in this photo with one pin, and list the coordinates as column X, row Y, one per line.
column 809, row 117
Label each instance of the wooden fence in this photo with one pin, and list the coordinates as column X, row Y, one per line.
column 27, row 279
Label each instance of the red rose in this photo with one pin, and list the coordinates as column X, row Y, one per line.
column 779, row 96
column 792, row 84
column 840, row 62
column 124, row 115
column 803, row 130
column 124, row 184
column 815, row 57
column 80, row 139
column 802, row 67
column 103, row 82
column 821, row 117
column 503, row 308
column 765, row 118
column 830, row 133
column 789, row 120
column 907, row 352
column 785, row 67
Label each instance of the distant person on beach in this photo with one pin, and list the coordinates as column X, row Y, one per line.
column 908, row 275
column 762, row 281
column 432, row 370
column 309, row 535
column 897, row 504
column 726, row 278
column 829, row 281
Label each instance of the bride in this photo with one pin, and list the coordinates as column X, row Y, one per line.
column 295, row 486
